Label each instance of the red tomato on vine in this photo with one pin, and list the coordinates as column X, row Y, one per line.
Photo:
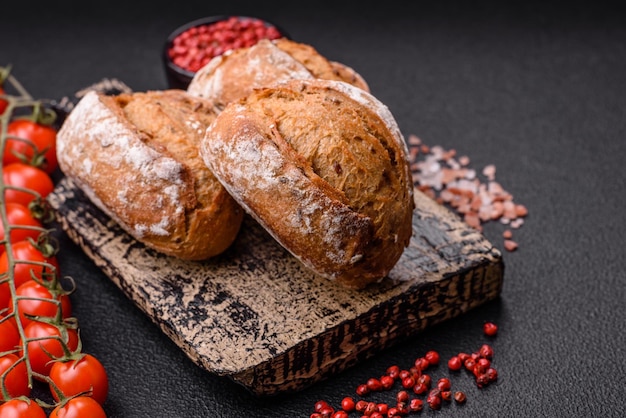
column 3, row 103
column 26, row 177
column 19, row 215
column 16, row 380
column 32, row 143
column 5, row 295
column 37, row 300
column 83, row 374
column 4, row 74
column 29, row 260
column 9, row 335
column 20, row 408
column 79, row 407
column 44, row 344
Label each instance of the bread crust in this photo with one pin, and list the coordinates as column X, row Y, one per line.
column 136, row 157
column 324, row 168
column 238, row 72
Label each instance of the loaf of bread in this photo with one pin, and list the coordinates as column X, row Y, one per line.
column 238, row 72
column 136, row 157
column 323, row 167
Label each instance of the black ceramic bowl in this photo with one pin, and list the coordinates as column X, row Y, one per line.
column 189, row 47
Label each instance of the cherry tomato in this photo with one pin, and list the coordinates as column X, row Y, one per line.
column 24, row 252
column 27, row 177
column 5, row 295
column 43, row 339
column 19, row 215
column 16, row 380
column 34, row 306
column 3, row 103
column 40, row 140
column 81, row 375
column 9, row 335
column 79, row 407
column 20, row 408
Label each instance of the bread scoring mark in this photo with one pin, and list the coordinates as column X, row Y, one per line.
column 376, row 106
column 173, row 193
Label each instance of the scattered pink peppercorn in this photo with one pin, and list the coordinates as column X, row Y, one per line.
column 348, row 404
column 420, row 389
column 432, row 357
column 393, row 372
column 444, row 384
column 486, row 351
column 425, row 379
column 478, row 364
column 370, row 408
column 394, row 412
column 362, row 390
column 416, row 405
column 319, row 405
column 360, row 405
column 434, row 399
column 387, row 382
column 460, row 397
column 482, row 364
column 446, row 395
column 408, row 382
column 482, row 380
column 455, row 363
column 490, row 329
column 492, row 374
column 403, row 408
column 402, row 396
column 374, row 384
column 422, row 363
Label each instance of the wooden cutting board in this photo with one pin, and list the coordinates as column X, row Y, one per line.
column 259, row 317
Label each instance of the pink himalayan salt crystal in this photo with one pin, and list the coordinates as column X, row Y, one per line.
column 439, row 174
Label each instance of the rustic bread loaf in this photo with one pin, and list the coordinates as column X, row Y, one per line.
column 318, row 65
column 323, row 166
column 238, row 72
column 136, row 157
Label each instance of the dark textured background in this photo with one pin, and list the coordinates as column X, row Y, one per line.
column 537, row 90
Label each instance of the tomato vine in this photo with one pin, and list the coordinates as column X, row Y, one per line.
column 40, row 342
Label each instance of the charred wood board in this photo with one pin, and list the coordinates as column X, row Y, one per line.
column 259, row 317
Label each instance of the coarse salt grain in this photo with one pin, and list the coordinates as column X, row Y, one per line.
column 450, row 181
column 510, row 245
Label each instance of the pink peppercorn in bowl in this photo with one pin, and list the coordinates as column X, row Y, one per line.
column 193, row 45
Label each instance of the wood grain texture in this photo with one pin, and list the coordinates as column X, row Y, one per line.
column 259, row 317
